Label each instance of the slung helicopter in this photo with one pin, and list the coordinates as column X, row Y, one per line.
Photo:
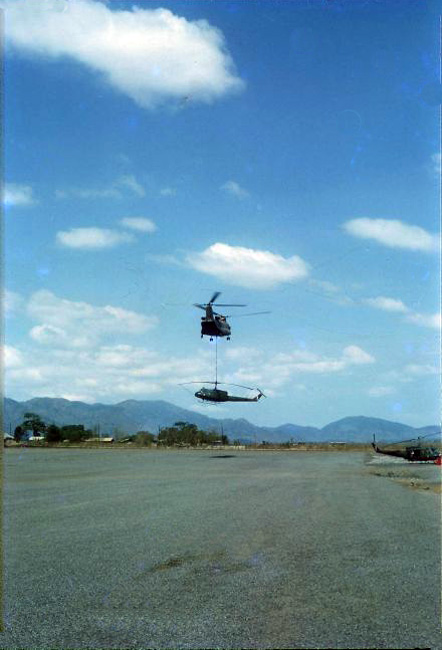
column 218, row 395
column 214, row 324
column 412, row 453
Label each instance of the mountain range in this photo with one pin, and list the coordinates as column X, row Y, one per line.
column 130, row 416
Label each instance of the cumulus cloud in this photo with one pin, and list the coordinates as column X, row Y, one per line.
column 108, row 372
column 271, row 372
column 426, row 320
column 92, row 238
column 387, row 304
column 242, row 354
column 393, row 233
column 167, row 191
column 80, row 324
column 12, row 357
column 139, row 223
column 130, row 183
column 381, row 391
column 88, row 193
column 150, row 55
column 246, row 267
column 18, row 195
column 117, row 371
column 353, row 354
column 436, row 163
column 394, row 305
column 233, row 188
column 126, row 184
column 12, row 302
column 421, row 370
column 329, row 291
column 56, row 336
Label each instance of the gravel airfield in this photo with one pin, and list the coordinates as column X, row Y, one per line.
column 189, row 549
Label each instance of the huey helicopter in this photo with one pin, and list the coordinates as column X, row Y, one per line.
column 218, row 395
column 214, row 324
column 412, row 453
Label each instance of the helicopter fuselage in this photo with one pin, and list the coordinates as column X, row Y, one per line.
column 215, row 325
column 412, row 454
column 217, row 395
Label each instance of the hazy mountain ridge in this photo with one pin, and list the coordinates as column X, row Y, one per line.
column 130, row 416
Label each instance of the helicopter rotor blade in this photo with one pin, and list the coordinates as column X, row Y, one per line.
column 255, row 313
column 214, row 297
column 186, row 383
column 219, row 304
column 203, row 307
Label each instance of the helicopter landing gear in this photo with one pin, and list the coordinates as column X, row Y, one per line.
column 211, row 338
column 228, row 338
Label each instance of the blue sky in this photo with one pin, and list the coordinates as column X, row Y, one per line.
column 285, row 154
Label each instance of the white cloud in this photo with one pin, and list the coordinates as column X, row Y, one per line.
column 27, row 374
column 353, row 354
column 436, row 163
column 18, row 195
column 421, row 370
column 48, row 334
column 387, row 304
column 12, row 357
column 233, row 188
column 113, row 372
column 80, row 324
column 395, row 305
column 329, row 291
column 168, row 260
column 393, row 233
column 151, row 55
column 56, row 336
column 128, row 183
column 381, row 391
column 12, row 302
column 88, row 193
column 245, row 267
column 167, row 191
column 270, row 372
column 92, row 238
column 139, row 223
column 426, row 320
column 242, row 354
column 325, row 285
column 103, row 372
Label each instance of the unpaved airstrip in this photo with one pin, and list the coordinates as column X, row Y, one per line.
column 184, row 549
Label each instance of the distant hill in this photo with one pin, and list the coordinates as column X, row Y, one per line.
column 131, row 416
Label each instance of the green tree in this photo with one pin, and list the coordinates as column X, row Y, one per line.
column 18, row 433
column 33, row 422
column 53, row 433
column 144, row 438
column 75, row 432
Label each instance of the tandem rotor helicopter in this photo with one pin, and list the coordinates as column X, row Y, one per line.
column 214, row 324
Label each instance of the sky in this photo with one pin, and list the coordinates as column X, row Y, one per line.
column 285, row 154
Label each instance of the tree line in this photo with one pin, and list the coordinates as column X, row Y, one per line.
column 32, row 423
column 180, row 434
